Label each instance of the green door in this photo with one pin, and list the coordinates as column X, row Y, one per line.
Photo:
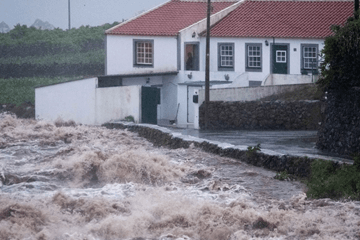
column 280, row 59
column 150, row 98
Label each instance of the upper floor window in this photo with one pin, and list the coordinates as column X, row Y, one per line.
column 226, row 57
column 192, row 56
column 309, row 58
column 253, row 57
column 144, row 53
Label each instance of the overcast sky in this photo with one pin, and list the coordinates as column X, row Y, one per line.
column 83, row 12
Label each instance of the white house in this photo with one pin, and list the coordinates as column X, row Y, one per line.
column 253, row 43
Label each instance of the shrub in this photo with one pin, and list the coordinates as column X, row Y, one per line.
column 129, row 119
column 282, row 176
column 252, row 150
column 330, row 180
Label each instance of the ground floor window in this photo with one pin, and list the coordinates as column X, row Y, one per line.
column 253, row 57
column 226, row 56
column 309, row 58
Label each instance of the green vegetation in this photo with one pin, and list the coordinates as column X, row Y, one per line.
column 252, row 150
column 329, row 180
column 129, row 119
column 340, row 70
column 94, row 56
column 282, row 176
column 75, row 39
column 30, row 52
column 31, row 57
column 19, row 90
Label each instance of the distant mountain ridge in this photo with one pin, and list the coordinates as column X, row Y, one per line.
column 42, row 25
column 4, row 28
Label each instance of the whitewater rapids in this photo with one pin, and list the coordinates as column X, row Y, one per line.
column 66, row 181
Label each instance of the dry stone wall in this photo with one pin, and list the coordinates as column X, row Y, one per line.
column 259, row 115
column 297, row 166
column 340, row 129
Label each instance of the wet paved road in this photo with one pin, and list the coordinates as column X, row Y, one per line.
column 299, row 143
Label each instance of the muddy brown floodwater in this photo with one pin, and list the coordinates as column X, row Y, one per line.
column 66, row 181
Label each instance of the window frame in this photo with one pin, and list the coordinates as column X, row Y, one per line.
column 220, row 66
column 281, row 56
column 256, row 68
column 196, row 61
column 135, row 53
column 309, row 70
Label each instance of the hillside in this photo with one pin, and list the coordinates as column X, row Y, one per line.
column 31, row 52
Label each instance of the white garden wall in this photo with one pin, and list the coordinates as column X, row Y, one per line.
column 70, row 101
column 246, row 93
column 116, row 103
column 83, row 103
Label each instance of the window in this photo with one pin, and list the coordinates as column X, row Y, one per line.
column 253, row 57
column 143, row 53
column 192, row 56
column 280, row 56
column 309, row 58
column 226, row 57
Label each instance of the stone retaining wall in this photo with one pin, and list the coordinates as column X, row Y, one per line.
column 340, row 129
column 258, row 115
column 298, row 166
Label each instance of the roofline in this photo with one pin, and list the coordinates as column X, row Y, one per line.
column 145, row 35
column 67, row 81
column 145, row 74
column 292, row 37
column 133, row 18
column 214, row 15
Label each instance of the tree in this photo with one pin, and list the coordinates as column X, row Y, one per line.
column 340, row 70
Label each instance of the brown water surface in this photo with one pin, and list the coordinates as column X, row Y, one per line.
column 66, row 181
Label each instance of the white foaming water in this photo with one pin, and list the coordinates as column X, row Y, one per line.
column 79, row 182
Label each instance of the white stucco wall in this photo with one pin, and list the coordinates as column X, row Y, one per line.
column 116, row 103
column 169, row 96
column 69, row 101
column 283, row 79
column 153, row 80
column 240, row 60
column 246, row 93
column 120, row 54
column 182, row 99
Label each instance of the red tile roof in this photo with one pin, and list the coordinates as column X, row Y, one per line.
column 285, row 19
column 168, row 19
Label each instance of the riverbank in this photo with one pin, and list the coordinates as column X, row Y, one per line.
column 25, row 110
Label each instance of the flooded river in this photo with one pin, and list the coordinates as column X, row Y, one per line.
column 62, row 181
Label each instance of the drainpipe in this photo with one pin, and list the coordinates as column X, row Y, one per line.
column 356, row 9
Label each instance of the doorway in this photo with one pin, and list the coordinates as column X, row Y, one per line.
column 280, row 59
column 191, row 91
column 150, row 98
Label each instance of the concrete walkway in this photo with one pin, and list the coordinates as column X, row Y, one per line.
column 296, row 143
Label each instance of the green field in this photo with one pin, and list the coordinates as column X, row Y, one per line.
column 19, row 90
column 94, row 56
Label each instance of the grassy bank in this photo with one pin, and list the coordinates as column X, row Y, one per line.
column 330, row 180
column 19, row 90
